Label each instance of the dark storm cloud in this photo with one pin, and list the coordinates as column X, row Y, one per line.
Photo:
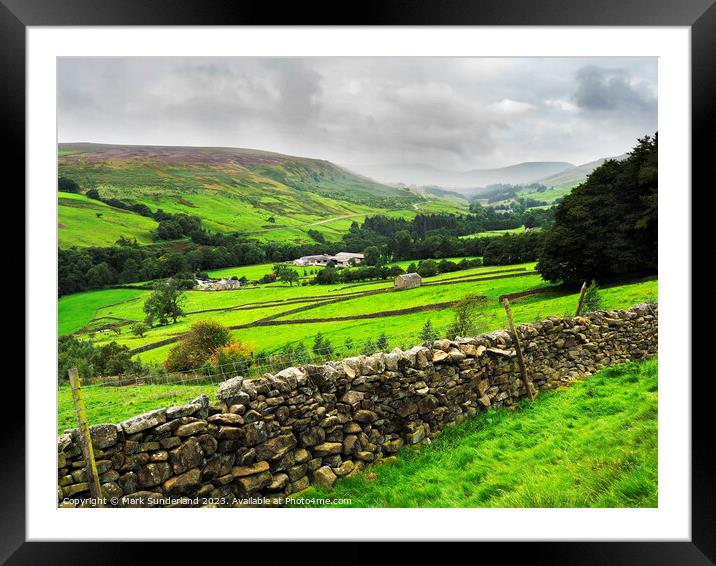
column 451, row 113
column 609, row 89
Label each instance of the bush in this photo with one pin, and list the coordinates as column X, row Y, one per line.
column 235, row 354
column 465, row 320
column 322, row 347
column 428, row 333
column 592, row 299
column 428, row 268
column 197, row 346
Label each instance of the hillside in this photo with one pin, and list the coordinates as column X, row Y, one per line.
column 84, row 222
column 258, row 193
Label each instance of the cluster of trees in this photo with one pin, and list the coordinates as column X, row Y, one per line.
column 81, row 269
column 513, row 248
column 91, row 361
column 607, row 227
column 426, row 268
column 330, row 275
column 503, row 191
column 384, row 239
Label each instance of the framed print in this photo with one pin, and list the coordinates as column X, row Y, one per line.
column 424, row 275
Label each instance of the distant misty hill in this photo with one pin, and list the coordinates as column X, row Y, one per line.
column 575, row 175
column 420, row 174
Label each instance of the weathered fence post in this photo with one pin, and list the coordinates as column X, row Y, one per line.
column 518, row 348
column 582, row 291
column 85, row 439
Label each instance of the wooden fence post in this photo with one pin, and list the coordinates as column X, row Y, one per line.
column 85, row 439
column 518, row 348
column 582, row 291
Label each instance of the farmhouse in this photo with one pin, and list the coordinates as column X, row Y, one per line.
column 341, row 259
column 221, row 285
column 408, row 281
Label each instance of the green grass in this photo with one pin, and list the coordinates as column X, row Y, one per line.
column 79, row 225
column 108, row 404
column 492, row 233
column 593, row 444
column 76, row 311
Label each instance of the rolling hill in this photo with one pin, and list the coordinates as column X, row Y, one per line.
column 258, row 193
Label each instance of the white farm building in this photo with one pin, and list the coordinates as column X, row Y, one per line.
column 341, row 259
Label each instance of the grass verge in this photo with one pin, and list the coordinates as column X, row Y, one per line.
column 593, row 444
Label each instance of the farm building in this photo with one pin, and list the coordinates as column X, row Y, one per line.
column 408, row 281
column 221, row 285
column 341, row 259
column 344, row 259
column 312, row 260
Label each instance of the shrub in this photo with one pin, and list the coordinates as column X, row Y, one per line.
column 428, row 333
column 322, row 347
column 235, row 354
column 428, row 268
column 465, row 319
column 197, row 346
column 592, row 299
column 369, row 348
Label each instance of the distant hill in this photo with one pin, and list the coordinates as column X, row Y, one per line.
column 259, row 193
column 575, row 175
column 420, row 174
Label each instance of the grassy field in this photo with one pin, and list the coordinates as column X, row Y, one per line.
column 593, row 444
column 278, row 302
column 83, row 221
column 490, row 233
column 240, row 307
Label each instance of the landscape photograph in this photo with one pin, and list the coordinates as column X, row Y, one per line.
column 387, row 282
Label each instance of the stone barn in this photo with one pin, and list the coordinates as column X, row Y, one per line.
column 408, row 281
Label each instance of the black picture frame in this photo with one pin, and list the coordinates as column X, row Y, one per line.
column 699, row 15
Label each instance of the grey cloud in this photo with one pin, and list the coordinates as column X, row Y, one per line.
column 450, row 113
column 600, row 88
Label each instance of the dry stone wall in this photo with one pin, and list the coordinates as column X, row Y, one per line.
column 273, row 436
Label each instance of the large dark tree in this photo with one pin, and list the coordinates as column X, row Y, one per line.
column 607, row 227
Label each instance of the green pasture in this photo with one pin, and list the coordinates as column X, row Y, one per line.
column 492, row 233
column 593, row 444
column 83, row 221
column 253, row 303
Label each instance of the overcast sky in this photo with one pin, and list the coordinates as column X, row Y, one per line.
column 450, row 113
